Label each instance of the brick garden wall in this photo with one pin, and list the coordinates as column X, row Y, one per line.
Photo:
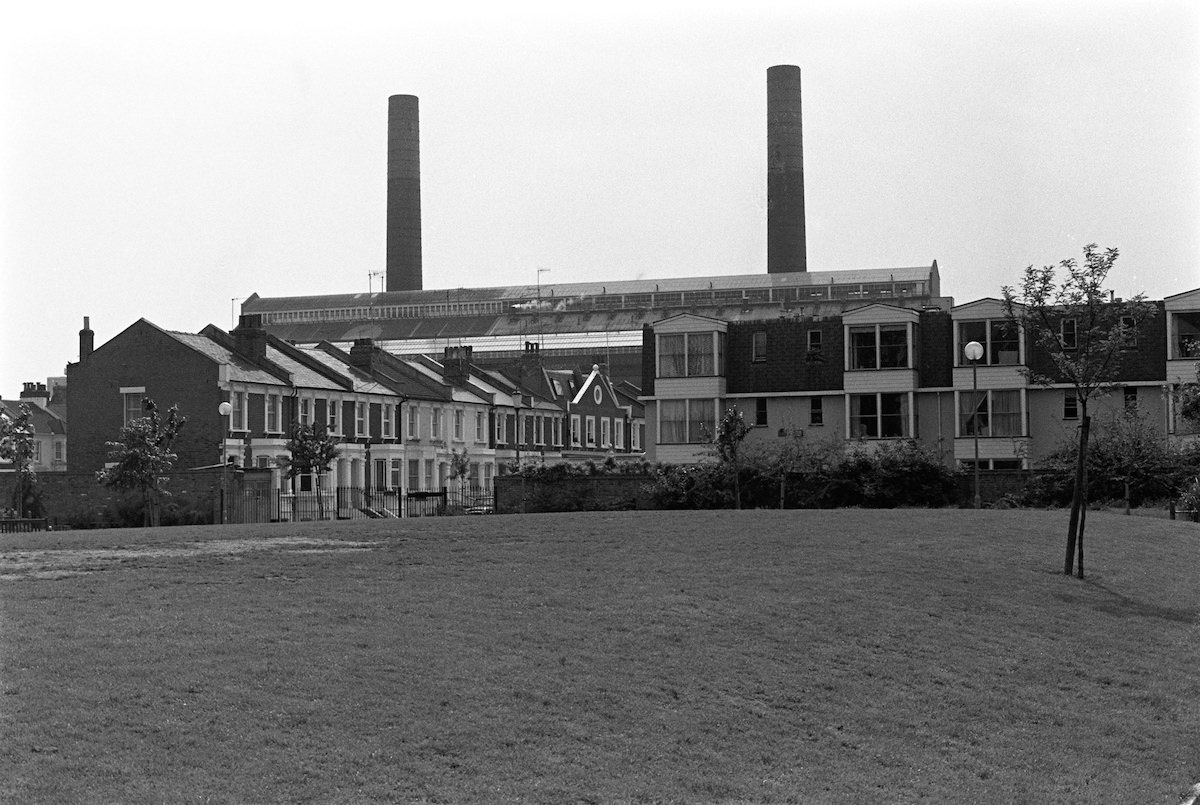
column 76, row 500
column 596, row 493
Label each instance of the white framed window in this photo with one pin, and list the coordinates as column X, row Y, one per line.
column 414, row 474
column 691, row 354
column 635, row 436
column 333, row 419
column 1070, row 405
column 879, row 416
column 394, row 480
column 994, row 412
column 576, row 436
column 480, row 426
column 389, row 422
column 816, row 411
column 60, row 451
column 305, row 413
column 414, row 419
column 499, row 429
column 879, row 346
column 687, row 421
column 619, row 433
column 459, row 424
column 435, row 423
column 605, row 432
column 131, row 403
column 814, row 340
column 360, row 419
column 1067, row 334
column 274, row 413
column 758, row 346
column 237, row 417
column 998, row 337
column 590, row 425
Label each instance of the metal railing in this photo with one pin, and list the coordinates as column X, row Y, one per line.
column 22, row 525
column 258, row 505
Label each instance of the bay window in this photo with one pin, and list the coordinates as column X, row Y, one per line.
column 879, row 346
column 691, row 354
column 687, row 421
column 998, row 337
column 994, row 413
column 879, row 416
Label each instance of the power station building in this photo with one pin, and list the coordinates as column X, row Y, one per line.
column 865, row 355
column 579, row 324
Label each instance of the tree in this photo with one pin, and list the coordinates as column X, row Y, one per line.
column 460, row 468
column 143, row 455
column 727, row 442
column 1077, row 325
column 779, row 460
column 16, row 445
column 1187, row 400
column 312, row 450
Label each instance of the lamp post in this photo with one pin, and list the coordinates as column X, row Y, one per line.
column 518, row 399
column 974, row 351
column 224, row 409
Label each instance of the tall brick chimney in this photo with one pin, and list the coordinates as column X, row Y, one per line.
column 786, row 248
column 403, row 195
column 249, row 337
column 87, row 339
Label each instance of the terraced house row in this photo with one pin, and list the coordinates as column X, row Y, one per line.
column 400, row 423
column 890, row 370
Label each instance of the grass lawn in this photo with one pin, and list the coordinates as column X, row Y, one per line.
column 801, row 656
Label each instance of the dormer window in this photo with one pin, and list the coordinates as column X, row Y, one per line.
column 998, row 337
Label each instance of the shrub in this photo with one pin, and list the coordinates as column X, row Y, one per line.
column 889, row 475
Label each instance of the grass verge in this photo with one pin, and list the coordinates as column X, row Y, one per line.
column 909, row 656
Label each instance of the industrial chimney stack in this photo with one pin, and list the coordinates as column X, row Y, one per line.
column 786, row 249
column 403, row 195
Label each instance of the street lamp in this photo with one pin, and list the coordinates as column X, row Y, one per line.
column 224, row 409
column 974, row 351
column 518, row 399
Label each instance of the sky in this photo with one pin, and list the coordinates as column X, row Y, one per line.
column 166, row 164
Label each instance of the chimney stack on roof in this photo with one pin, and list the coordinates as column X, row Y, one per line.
column 36, row 393
column 363, row 354
column 456, row 362
column 249, row 337
column 87, row 339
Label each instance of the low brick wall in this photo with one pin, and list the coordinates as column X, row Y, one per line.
column 76, row 500
column 587, row 493
column 993, row 485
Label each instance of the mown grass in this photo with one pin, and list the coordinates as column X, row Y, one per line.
column 844, row 656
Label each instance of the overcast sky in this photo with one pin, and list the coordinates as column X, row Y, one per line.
column 162, row 164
